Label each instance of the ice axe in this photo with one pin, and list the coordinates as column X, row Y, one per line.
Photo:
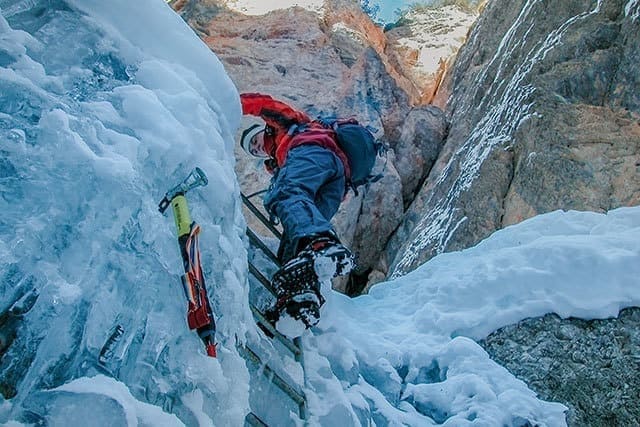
column 199, row 314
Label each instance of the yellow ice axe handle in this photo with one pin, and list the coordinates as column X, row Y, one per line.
column 181, row 215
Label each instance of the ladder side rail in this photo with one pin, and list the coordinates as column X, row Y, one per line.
column 292, row 346
column 296, row 345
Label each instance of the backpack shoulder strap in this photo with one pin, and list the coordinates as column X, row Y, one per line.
column 328, row 122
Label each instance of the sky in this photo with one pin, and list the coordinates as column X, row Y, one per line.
column 388, row 8
column 98, row 120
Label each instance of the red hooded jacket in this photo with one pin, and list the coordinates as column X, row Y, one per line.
column 281, row 117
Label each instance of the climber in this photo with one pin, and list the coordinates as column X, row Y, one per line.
column 308, row 184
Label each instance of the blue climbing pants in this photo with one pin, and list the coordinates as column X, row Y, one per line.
column 305, row 194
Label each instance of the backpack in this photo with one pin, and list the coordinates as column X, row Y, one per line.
column 360, row 147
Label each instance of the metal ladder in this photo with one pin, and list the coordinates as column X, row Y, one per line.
column 286, row 386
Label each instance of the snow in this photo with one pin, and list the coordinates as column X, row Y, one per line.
column 134, row 411
column 341, row 27
column 436, row 34
column 98, row 119
column 253, row 7
column 632, row 9
column 579, row 264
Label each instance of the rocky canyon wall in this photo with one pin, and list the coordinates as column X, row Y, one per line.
column 543, row 115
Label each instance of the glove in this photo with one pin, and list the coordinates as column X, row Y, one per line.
column 271, row 165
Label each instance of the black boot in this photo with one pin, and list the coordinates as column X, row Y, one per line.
column 297, row 283
column 298, row 291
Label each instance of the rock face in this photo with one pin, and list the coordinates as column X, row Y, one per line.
column 589, row 366
column 544, row 116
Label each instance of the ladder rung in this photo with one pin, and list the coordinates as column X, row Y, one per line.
column 263, row 280
column 252, row 420
column 253, row 238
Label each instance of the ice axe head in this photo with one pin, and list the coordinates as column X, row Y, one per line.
column 196, row 178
